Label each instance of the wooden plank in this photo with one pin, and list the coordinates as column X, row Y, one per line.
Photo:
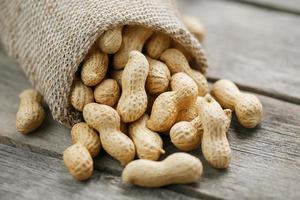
column 257, row 48
column 266, row 160
column 26, row 175
column 291, row 6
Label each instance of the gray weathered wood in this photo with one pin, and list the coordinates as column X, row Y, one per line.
column 26, row 175
column 257, row 48
column 265, row 160
column 291, row 6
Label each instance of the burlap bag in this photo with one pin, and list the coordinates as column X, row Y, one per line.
column 50, row 38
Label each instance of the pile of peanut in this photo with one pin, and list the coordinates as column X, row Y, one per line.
column 134, row 85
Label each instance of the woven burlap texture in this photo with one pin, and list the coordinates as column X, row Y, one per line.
column 49, row 38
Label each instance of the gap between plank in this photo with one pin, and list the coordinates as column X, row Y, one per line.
column 268, row 6
column 180, row 189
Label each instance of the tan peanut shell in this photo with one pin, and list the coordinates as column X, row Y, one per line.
column 248, row 110
column 31, row 113
column 226, row 93
column 133, row 101
column 110, row 41
column 81, row 95
column 195, row 27
column 189, row 113
column 158, row 78
column 78, row 161
column 156, row 44
column 178, row 168
column 149, row 144
column 176, row 62
column 134, row 38
column 187, row 136
column 182, row 49
column 88, row 137
column 215, row 146
column 107, row 92
column 106, row 121
column 94, row 67
column 167, row 105
column 247, row 107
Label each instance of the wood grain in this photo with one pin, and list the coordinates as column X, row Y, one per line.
column 266, row 160
column 257, row 48
column 26, row 175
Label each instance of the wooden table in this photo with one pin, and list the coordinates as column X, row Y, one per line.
column 255, row 43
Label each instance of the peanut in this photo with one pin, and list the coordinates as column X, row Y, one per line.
column 167, row 105
column 107, row 92
column 247, row 107
column 31, row 113
column 94, row 67
column 88, row 137
column 189, row 113
column 215, row 123
column 176, row 62
column 134, row 38
column 195, row 27
column 106, row 121
column 182, row 49
column 187, row 136
column 177, row 168
column 78, row 161
column 148, row 144
column 133, row 101
column 158, row 78
column 110, row 41
column 156, row 44
column 81, row 95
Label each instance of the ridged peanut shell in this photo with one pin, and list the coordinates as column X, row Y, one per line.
column 134, row 38
column 189, row 113
column 187, row 136
column 226, row 93
column 88, row 137
column 182, row 49
column 215, row 146
column 133, row 101
column 110, row 41
column 78, row 161
column 158, row 77
column 167, row 105
column 248, row 110
column 30, row 114
column 94, row 67
column 176, row 62
column 156, row 44
column 107, row 92
column 148, row 143
column 106, row 121
column 178, row 168
column 186, row 89
column 247, row 107
column 81, row 95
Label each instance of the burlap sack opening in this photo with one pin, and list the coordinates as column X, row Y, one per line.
column 49, row 39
